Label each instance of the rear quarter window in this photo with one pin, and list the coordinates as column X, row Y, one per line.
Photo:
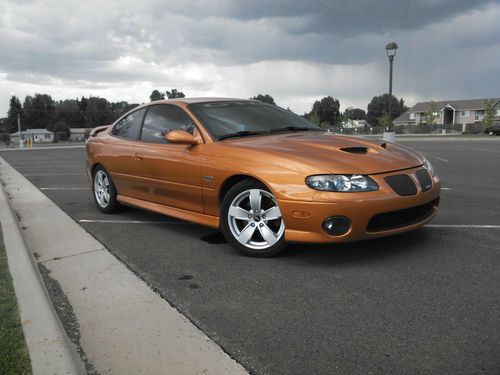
column 129, row 126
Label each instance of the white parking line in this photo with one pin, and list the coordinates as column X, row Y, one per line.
column 133, row 222
column 478, row 149
column 446, row 188
column 53, row 174
column 436, row 157
column 41, row 148
column 488, row 226
column 64, row 188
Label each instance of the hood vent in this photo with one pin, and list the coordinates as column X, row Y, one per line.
column 355, row 150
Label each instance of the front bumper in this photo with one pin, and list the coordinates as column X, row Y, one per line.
column 303, row 220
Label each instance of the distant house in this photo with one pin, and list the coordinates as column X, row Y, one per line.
column 36, row 136
column 449, row 112
column 354, row 124
column 78, row 134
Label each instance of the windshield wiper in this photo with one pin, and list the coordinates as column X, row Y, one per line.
column 292, row 128
column 243, row 133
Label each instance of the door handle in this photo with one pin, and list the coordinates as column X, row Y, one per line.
column 138, row 156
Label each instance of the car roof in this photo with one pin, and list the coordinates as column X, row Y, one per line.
column 202, row 100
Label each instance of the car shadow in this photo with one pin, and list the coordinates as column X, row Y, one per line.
column 359, row 252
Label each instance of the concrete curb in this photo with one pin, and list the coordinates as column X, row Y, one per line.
column 49, row 348
column 118, row 324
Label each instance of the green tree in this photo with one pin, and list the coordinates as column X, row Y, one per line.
column 266, row 98
column 354, row 114
column 39, row 111
column 384, row 121
column 15, row 109
column 489, row 113
column 380, row 105
column 68, row 111
column 175, row 94
column 156, row 95
column 61, row 131
column 327, row 111
column 431, row 114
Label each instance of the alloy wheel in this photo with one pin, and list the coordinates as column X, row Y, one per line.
column 102, row 188
column 255, row 220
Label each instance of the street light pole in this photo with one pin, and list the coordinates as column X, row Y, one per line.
column 391, row 60
column 391, row 52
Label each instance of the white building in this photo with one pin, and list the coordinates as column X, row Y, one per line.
column 449, row 112
column 355, row 124
column 36, row 136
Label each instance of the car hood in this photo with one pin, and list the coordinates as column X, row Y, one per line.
column 325, row 152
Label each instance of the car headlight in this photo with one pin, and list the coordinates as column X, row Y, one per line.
column 430, row 168
column 341, row 183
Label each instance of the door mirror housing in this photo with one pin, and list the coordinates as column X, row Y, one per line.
column 182, row 137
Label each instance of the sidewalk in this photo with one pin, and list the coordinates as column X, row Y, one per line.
column 116, row 322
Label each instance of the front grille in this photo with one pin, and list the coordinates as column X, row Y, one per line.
column 402, row 184
column 424, row 179
column 401, row 218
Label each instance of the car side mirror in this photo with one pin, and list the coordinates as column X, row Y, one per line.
column 182, row 137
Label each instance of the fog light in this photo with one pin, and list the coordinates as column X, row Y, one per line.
column 336, row 225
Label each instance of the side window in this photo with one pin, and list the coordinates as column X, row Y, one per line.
column 162, row 118
column 129, row 126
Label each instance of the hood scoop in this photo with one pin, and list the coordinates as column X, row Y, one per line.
column 355, row 150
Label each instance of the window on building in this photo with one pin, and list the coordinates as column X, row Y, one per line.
column 412, row 116
column 479, row 115
column 465, row 113
column 47, row 136
column 130, row 125
column 163, row 118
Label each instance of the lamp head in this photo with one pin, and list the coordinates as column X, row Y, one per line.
column 391, row 48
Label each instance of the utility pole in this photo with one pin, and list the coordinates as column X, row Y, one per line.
column 21, row 143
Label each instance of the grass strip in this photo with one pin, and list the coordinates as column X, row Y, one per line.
column 14, row 355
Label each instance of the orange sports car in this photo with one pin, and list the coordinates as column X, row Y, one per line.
column 261, row 174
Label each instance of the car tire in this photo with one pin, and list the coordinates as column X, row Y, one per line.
column 244, row 223
column 104, row 191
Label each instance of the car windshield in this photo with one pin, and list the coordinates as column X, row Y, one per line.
column 244, row 118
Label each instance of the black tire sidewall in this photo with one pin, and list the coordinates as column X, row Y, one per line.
column 224, row 224
column 113, row 203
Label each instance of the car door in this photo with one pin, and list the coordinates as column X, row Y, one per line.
column 118, row 155
column 167, row 174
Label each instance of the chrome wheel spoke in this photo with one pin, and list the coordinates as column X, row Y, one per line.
column 267, row 234
column 246, row 234
column 239, row 213
column 272, row 213
column 255, row 200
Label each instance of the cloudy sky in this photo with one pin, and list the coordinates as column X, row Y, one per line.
column 297, row 51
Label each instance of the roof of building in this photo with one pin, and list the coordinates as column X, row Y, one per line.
column 458, row 105
column 33, row 131
column 404, row 117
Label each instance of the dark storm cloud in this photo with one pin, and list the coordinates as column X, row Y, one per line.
column 351, row 17
column 213, row 45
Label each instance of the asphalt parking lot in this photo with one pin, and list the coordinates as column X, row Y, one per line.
column 422, row 302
